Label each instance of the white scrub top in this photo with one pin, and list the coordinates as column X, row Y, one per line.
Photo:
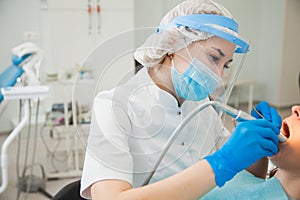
column 130, row 126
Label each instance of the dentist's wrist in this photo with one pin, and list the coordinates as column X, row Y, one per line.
column 220, row 166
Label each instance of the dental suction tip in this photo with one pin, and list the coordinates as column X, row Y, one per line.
column 281, row 137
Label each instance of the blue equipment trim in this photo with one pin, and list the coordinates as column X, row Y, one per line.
column 9, row 77
column 16, row 60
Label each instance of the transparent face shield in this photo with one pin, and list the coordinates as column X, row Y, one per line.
column 226, row 29
column 206, row 69
column 231, row 75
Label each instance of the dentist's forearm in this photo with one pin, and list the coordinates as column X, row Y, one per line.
column 191, row 183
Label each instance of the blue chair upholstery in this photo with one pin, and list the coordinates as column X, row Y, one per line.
column 9, row 77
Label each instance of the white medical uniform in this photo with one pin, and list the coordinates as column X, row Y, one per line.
column 130, row 126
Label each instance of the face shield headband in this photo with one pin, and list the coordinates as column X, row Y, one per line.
column 203, row 22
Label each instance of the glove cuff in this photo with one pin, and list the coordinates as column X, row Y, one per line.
column 221, row 168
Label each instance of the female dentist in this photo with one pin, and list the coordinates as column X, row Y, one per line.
column 184, row 63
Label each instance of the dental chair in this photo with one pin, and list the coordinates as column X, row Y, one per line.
column 26, row 60
column 9, row 77
column 69, row 191
column 19, row 82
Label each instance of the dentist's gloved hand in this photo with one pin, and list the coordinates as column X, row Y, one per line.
column 268, row 112
column 250, row 141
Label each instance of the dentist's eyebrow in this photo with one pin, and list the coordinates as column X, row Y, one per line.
column 222, row 54
column 219, row 51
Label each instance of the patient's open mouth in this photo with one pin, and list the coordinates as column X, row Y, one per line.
column 286, row 130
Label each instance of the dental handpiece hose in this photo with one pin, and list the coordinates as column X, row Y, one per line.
column 238, row 115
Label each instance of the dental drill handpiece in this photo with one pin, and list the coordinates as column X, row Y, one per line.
column 234, row 113
column 240, row 115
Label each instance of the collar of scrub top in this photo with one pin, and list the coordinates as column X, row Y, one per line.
column 202, row 22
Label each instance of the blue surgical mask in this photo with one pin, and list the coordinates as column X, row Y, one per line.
column 196, row 82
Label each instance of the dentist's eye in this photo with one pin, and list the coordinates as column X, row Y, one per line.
column 227, row 64
column 214, row 58
column 226, row 67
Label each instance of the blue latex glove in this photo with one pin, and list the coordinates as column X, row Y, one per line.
column 250, row 141
column 268, row 112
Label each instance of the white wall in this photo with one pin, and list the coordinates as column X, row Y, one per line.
column 67, row 29
column 290, row 66
column 14, row 21
column 149, row 13
column 262, row 25
column 273, row 27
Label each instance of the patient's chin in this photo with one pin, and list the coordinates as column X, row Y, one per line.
column 273, row 159
column 283, row 160
column 277, row 158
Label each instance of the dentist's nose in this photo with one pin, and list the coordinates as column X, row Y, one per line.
column 296, row 111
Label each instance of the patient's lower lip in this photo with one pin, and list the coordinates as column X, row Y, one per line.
column 285, row 134
column 282, row 138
